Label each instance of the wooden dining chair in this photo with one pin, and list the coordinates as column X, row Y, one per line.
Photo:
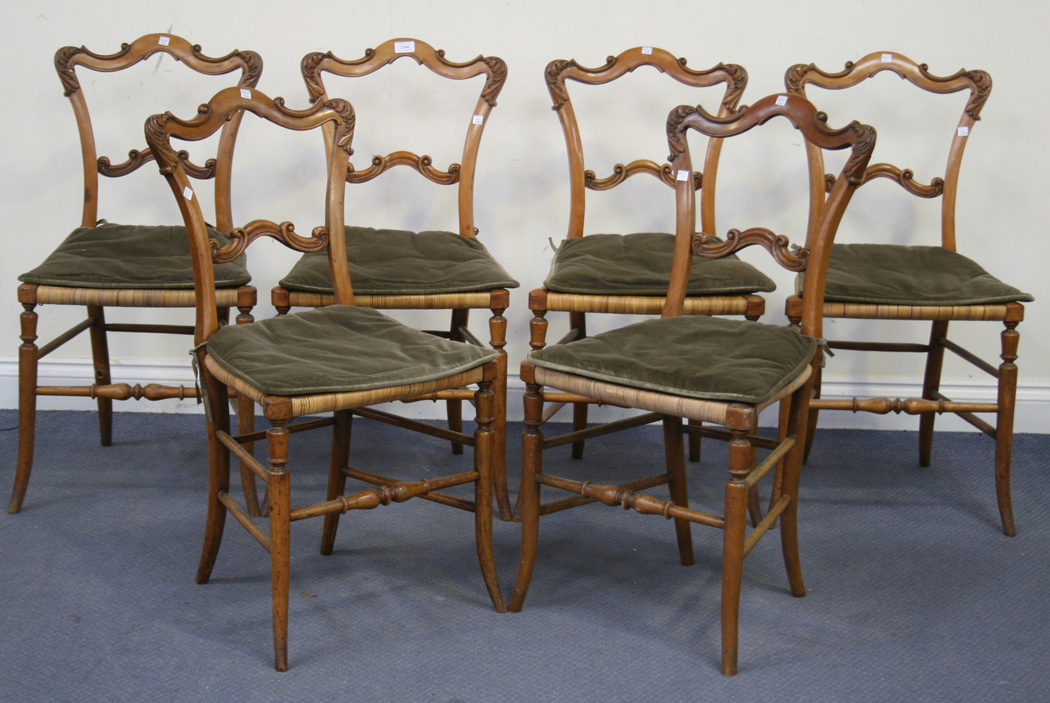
column 106, row 264
column 432, row 269
column 629, row 273
column 917, row 281
column 710, row 369
column 339, row 359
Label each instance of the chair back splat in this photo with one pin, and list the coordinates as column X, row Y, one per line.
column 923, row 278
column 708, row 370
column 116, row 264
column 340, row 359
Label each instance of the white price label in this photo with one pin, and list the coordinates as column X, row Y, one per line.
column 404, row 47
column 782, row 100
column 164, row 41
column 478, row 119
column 187, row 193
column 964, row 131
column 647, row 50
column 887, row 58
column 246, row 94
column 682, row 175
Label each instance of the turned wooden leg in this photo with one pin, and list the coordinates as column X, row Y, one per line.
column 577, row 320
column 484, row 444
column 675, row 458
column 454, row 408
column 28, row 357
column 339, row 458
column 246, row 425
column 733, row 547
column 811, row 422
column 100, row 358
column 498, row 332
column 218, row 419
column 931, row 383
column 787, row 480
column 529, row 494
column 1004, row 426
column 280, row 537
column 694, row 443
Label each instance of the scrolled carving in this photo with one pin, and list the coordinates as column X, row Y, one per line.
column 253, row 67
column 863, row 145
column 778, row 245
column 285, row 233
column 135, row 159
column 157, row 135
column 344, row 134
column 496, row 78
column 906, row 179
column 982, row 88
column 555, row 76
column 66, row 74
column 670, row 176
column 310, row 67
column 621, row 173
column 422, row 164
column 675, row 138
column 737, row 83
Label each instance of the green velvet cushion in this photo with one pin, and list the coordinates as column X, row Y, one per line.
column 130, row 256
column 339, row 348
column 397, row 262
column 694, row 356
column 902, row 275
column 640, row 264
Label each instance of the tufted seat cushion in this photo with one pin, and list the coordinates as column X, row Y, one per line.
column 640, row 264
column 130, row 256
column 398, row 262
column 337, row 349
column 702, row 357
column 912, row 275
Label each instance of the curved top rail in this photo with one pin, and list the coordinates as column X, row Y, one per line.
column 493, row 67
column 979, row 83
column 69, row 57
column 561, row 70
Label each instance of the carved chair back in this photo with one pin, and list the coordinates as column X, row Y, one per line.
column 730, row 77
column 494, row 70
column 226, row 106
column 70, row 58
column 979, row 85
column 813, row 258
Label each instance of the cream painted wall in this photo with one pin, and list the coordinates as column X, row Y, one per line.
column 522, row 195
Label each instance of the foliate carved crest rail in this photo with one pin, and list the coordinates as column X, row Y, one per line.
column 791, row 258
column 495, row 68
column 558, row 71
column 860, row 137
column 979, row 83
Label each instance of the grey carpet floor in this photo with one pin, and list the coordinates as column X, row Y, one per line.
column 914, row 594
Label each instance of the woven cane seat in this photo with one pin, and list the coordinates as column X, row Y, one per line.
column 694, row 356
column 640, row 264
column 337, row 349
column 130, row 257
column 399, row 262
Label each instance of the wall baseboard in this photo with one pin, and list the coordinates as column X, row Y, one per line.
column 1033, row 399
